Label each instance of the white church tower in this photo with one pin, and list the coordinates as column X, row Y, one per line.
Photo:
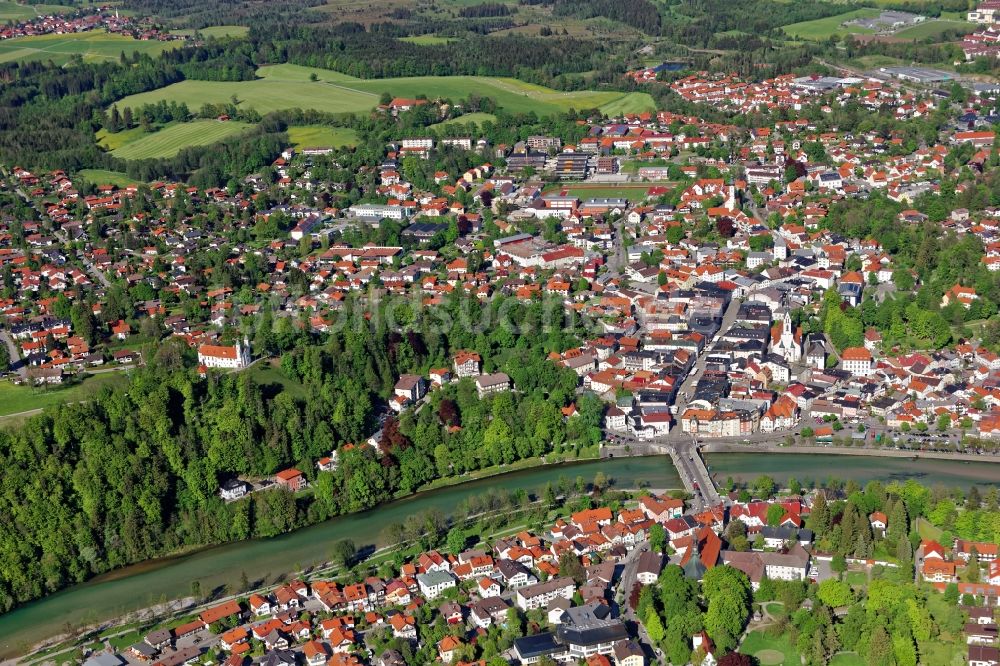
column 788, row 347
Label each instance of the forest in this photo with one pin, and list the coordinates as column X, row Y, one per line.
column 134, row 473
column 195, row 14
column 640, row 14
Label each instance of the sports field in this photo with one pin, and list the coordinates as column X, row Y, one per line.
column 169, row 141
column 13, row 11
column 831, row 25
column 319, row 136
column 633, row 192
column 104, row 177
column 94, row 46
column 289, row 86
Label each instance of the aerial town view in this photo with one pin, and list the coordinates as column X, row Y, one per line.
column 500, row 332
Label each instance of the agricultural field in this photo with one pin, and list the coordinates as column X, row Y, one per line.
column 170, row 140
column 290, row 86
column 105, row 177
column 14, row 11
column 320, row 136
column 215, row 31
column 95, row 45
column 467, row 119
column 821, row 29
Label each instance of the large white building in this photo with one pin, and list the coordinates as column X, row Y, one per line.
column 793, row 565
column 433, row 583
column 540, row 594
column 378, row 211
column 858, row 361
column 221, row 356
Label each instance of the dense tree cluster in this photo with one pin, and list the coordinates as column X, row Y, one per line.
column 351, row 50
column 134, row 473
column 195, row 14
column 486, row 9
column 640, row 14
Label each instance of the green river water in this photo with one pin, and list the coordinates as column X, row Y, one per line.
column 147, row 583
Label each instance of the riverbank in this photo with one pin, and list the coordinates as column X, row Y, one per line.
column 587, row 455
column 149, row 583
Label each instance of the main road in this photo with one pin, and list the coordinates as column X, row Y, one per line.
column 15, row 356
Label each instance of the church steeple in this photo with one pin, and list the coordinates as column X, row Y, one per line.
column 787, row 346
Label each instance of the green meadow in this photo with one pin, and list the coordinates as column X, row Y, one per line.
column 933, row 29
column 468, row 119
column 14, row 11
column 290, row 86
column 215, row 31
column 105, row 177
column 170, row 140
column 95, row 45
column 320, row 136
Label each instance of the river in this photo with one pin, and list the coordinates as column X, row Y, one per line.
column 148, row 583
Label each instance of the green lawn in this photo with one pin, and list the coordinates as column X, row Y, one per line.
column 932, row 29
column 104, row 177
column 775, row 608
column 321, row 136
column 824, row 27
column 94, row 46
column 266, row 374
column 13, row 11
column 15, row 399
column 927, row 531
column 847, row 659
column 942, row 654
column 169, row 141
column 770, row 651
column 290, row 86
column 856, row 578
column 479, row 118
column 216, row 31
